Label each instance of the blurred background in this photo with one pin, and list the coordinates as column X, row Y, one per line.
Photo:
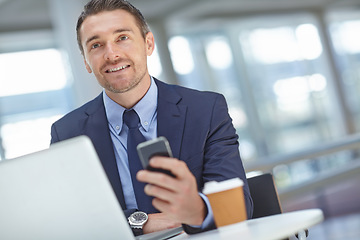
column 289, row 69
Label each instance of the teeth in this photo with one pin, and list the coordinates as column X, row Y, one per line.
column 116, row 69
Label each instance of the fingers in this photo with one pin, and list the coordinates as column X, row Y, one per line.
column 177, row 167
column 158, row 179
column 171, row 210
column 165, row 187
column 159, row 192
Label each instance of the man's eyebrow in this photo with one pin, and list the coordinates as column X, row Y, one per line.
column 91, row 39
column 123, row 30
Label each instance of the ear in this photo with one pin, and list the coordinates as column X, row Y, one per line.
column 88, row 68
column 150, row 43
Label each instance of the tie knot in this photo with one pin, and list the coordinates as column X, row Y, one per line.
column 131, row 119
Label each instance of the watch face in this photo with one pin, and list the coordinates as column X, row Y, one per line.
column 138, row 217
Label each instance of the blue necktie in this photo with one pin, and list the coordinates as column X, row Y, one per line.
column 131, row 119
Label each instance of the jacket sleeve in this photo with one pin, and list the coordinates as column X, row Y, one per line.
column 221, row 157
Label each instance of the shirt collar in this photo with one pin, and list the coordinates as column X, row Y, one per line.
column 145, row 108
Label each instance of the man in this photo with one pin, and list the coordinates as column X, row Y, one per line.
column 115, row 41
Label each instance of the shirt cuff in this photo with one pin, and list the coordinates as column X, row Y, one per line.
column 209, row 219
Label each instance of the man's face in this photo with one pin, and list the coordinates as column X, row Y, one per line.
column 115, row 51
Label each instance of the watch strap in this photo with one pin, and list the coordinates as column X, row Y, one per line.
column 137, row 231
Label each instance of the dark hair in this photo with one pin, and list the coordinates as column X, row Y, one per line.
column 96, row 6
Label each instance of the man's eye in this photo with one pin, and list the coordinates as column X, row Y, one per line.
column 96, row 45
column 122, row 38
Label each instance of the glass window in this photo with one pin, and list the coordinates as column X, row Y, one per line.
column 31, row 72
column 35, row 91
column 289, row 80
column 181, row 55
column 344, row 31
column 23, row 137
column 154, row 64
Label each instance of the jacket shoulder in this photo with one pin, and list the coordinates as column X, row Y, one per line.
column 83, row 110
column 188, row 95
column 72, row 124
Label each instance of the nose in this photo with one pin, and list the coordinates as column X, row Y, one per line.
column 112, row 52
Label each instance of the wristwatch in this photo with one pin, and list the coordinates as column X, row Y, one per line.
column 137, row 220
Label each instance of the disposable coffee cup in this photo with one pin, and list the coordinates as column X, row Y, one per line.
column 227, row 201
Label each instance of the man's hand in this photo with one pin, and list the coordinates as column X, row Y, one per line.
column 177, row 198
column 158, row 222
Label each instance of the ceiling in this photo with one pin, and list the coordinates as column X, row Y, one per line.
column 18, row 15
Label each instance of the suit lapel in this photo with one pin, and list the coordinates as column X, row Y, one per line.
column 97, row 129
column 170, row 116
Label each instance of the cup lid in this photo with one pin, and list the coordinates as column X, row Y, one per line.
column 213, row 186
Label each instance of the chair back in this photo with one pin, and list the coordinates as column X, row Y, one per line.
column 264, row 195
column 266, row 200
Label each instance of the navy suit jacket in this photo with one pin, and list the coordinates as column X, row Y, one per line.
column 197, row 125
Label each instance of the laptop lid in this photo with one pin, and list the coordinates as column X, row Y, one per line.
column 59, row 193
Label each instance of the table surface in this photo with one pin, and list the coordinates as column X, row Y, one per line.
column 266, row 228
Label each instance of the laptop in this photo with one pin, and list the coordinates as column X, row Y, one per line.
column 62, row 193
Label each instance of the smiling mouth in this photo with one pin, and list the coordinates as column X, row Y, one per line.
column 117, row 69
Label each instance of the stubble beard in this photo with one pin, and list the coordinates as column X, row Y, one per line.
column 114, row 89
column 135, row 82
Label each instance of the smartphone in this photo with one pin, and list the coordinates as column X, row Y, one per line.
column 155, row 147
